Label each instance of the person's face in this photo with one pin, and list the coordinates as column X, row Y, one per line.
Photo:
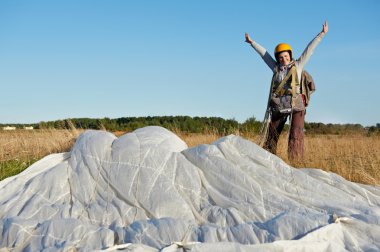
column 284, row 58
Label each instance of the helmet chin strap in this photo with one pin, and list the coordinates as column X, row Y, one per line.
column 283, row 67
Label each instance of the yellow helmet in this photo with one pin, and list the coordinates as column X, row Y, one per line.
column 282, row 47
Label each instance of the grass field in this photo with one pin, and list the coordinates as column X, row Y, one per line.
column 356, row 157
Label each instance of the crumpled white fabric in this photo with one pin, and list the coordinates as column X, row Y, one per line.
column 147, row 191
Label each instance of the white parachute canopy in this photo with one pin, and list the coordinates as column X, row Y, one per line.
column 147, row 190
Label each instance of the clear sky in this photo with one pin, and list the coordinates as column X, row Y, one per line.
column 120, row 58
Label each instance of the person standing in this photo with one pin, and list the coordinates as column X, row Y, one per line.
column 289, row 86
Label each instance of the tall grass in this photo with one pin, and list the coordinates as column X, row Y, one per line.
column 21, row 148
column 356, row 157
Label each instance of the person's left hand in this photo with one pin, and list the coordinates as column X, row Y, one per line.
column 325, row 28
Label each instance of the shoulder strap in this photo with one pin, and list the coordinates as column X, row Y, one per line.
column 292, row 72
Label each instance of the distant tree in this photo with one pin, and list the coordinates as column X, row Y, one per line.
column 251, row 125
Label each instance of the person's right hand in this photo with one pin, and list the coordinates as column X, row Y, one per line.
column 248, row 38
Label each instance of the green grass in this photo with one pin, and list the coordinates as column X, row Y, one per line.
column 13, row 167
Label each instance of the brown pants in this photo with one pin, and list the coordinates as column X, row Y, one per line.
column 296, row 135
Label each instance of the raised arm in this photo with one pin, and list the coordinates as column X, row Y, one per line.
column 262, row 52
column 311, row 46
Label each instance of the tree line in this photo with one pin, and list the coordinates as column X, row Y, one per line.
column 189, row 124
column 175, row 123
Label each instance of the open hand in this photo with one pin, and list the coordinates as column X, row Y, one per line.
column 325, row 28
column 248, row 38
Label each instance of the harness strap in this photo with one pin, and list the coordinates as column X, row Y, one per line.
column 292, row 73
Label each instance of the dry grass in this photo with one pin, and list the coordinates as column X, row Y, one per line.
column 355, row 157
column 27, row 144
column 194, row 139
column 20, row 148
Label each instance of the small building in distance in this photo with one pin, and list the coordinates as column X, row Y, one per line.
column 28, row 127
column 9, row 128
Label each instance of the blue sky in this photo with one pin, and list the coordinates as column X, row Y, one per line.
column 69, row 59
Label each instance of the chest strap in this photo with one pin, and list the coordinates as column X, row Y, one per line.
column 292, row 73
